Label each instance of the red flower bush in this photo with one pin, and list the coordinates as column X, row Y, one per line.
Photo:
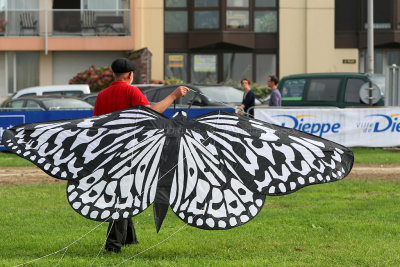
column 3, row 25
column 97, row 78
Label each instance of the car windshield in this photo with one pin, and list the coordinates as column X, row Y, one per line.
column 222, row 94
column 64, row 103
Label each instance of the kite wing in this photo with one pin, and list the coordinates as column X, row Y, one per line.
column 228, row 164
column 111, row 161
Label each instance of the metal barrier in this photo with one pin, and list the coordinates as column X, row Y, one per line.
column 11, row 117
column 392, row 94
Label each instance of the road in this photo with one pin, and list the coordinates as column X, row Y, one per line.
column 10, row 176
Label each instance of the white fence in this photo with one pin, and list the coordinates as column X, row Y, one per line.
column 366, row 127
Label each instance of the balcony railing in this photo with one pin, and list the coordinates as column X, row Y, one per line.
column 65, row 22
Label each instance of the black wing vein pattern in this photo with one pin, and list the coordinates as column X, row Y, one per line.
column 225, row 166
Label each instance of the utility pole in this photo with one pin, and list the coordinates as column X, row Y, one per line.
column 370, row 36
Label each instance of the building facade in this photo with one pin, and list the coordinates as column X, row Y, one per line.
column 351, row 31
column 45, row 42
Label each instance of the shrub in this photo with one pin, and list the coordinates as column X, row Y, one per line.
column 97, row 78
column 3, row 25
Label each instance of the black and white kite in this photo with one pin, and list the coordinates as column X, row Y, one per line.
column 214, row 171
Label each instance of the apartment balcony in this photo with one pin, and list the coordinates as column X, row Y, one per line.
column 66, row 22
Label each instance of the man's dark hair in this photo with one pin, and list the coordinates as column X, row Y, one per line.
column 274, row 79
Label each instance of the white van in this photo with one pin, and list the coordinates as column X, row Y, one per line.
column 63, row 90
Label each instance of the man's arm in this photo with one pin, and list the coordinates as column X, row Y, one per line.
column 161, row 106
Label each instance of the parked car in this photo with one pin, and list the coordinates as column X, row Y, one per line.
column 45, row 103
column 146, row 86
column 62, row 90
column 329, row 89
column 200, row 95
column 89, row 98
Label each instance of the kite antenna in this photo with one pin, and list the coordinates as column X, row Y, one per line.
column 196, row 93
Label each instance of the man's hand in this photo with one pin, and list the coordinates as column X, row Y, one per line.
column 180, row 91
column 161, row 106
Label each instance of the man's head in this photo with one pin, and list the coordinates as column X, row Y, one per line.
column 123, row 69
column 272, row 81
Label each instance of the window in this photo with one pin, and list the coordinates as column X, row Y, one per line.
column 206, row 20
column 237, row 66
column 175, row 16
column 204, row 69
column 352, row 93
column 163, row 93
column 265, row 66
column 150, row 95
column 175, row 3
column 175, row 21
column 23, row 4
column 16, row 104
column 237, row 14
column 22, row 70
column 293, row 89
column 265, row 3
column 105, row 4
column 238, row 3
column 32, row 104
column 53, row 93
column 237, row 19
column 206, row 3
column 382, row 14
column 206, row 14
column 175, row 66
column 265, row 21
column 258, row 15
column 323, row 89
column 265, row 16
column 185, row 100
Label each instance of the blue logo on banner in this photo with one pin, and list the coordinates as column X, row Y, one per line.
column 8, row 122
column 315, row 128
column 386, row 123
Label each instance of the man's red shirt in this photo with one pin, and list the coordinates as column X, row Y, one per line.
column 119, row 95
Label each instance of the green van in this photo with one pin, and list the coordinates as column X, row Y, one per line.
column 329, row 89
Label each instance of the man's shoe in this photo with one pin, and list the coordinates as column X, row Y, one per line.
column 113, row 250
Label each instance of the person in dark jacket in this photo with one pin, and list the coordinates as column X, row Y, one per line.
column 249, row 99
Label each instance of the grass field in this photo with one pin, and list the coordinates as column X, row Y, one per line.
column 347, row 223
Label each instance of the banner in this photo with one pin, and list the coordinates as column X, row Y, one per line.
column 10, row 118
column 366, row 127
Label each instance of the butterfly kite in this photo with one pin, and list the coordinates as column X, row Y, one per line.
column 214, row 171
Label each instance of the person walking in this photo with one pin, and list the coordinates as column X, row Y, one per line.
column 120, row 95
column 249, row 99
column 275, row 97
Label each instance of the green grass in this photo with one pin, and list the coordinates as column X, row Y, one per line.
column 361, row 155
column 376, row 155
column 347, row 223
column 8, row 159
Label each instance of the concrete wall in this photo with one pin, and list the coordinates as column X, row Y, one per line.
column 45, row 68
column 307, row 39
column 3, row 88
column 148, row 32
